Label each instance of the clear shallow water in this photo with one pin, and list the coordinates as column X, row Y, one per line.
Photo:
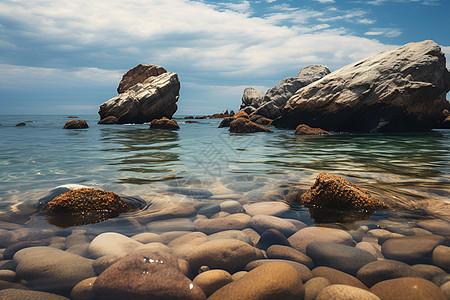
column 407, row 170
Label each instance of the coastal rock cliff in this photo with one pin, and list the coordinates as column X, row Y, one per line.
column 271, row 104
column 148, row 92
column 397, row 90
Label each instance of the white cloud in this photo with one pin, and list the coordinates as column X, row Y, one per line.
column 270, row 1
column 388, row 32
column 325, row 1
column 381, row 2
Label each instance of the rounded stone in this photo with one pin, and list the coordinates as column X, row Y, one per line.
column 410, row 248
column 445, row 288
column 439, row 280
column 167, row 237
column 304, row 237
column 439, row 227
column 76, row 239
column 262, row 223
column 104, row 262
column 272, row 208
column 341, row 257
column 345, row 292
column 51, row 269
column 8, row 275
column 111, row 243
column 238, row 275
column 212, row 280
column 231, row 206
column 146, row 275
column 373, row 249
column 229, row 255
column 314, row 286
column 441, row 257
column 428, row 271
column 171, row 225
column 231, row 234
column 288, row 253
column 25, row 294
column 269, row 281
column 303, row 270
column 271, row 237
column 381, row 270
column 209, row 210
column 84, row 290
column 75, row 124
column 407, row 288
column 338, row 277
column 147, row 237
column 231, row 222
column 184, row 245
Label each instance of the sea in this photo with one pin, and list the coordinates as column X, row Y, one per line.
column 410, row 171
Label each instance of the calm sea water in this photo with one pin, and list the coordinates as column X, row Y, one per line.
column 410, row 170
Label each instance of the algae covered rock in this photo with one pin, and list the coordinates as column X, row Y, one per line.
column 303, row 129
column 164, row 123
column 242, row 125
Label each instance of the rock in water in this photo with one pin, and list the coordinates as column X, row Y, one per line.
column 306, row 130
column 164, row 123
column 76, row 124
column 397, row 90
column 242, row 125
column 148, row 98
column 109, row 120
column 138, row 75
column 251, row 99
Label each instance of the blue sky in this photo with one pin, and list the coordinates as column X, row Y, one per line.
column 67, row 57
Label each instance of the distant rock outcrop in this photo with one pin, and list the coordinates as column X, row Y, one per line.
column 147, row 92
column 397, row 90
column 272, row 103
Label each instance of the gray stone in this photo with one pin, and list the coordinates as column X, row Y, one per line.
column 288, row 253
column 231, row 222
column 104, row 262
column 428, row 271
column 111, row 243
column 341, row 257
column 231, row 206
column 171, row 225
column 304, row 237
column 231, row 234
column 410, row 248
column 261, row 223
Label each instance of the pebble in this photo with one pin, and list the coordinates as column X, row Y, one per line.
column 232, row 222
column 428, row 271
column 445, row 288
column 381, row 270
column 146, row 275
column 231, row 206
column 383, row 235
column 184, row 245
column 11, row 250
column 104, row 262
column 76, row 239
column 341, row 257
column 11, row 285
column 271, row 208
column 209, row 210
column 314, row 286
column 297, row 223
column 302, row 238
column 158, row 247
column 8, row 275
column 268, row 281
column 262, row 223
column 338, row 277
column 167, row 237
column 111, row 243
column 147, row 237
column 441, row 279
column 84, row 290
column 410, row 248
column 171, row 225
column 238, row 275
column 81, row 250
column 52, row 270
column 254, row 236
column 441, row 257
column 407, row 288
column 356, row 235
column 373, row 249
column 212, row 280
column 288, row 253
column 232, row 234
column 178, row 211
column 439, row 227
column 271, row 237
column 229, row 255
column 345, row 292
column 5, row 238
column 303, row 270
column 25, row 294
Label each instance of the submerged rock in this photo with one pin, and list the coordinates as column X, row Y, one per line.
column 397, row 90
column 76, row 124
column 303, row 129
column 164, row 123
column 147, row 93
column 21, row 124
column 109, row 120
column 242, row 125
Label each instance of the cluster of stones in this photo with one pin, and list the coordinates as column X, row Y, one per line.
column 211, row 246
column 224, row 114
column 241, row 122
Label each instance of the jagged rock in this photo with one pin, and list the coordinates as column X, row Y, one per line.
column 306, row 130
column 241, row 114
column 164, row 123
column 264, row 121
column 153, row 98
column 76, row 124
column 109, row 120
column 251, row 99
column 242, row 125
column 138, row 75
column 226, row 122
column 275, row 99
column 397, row 90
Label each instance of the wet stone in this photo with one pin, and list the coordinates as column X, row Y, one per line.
column 375, row 250
column 25, row 294
column 84, row 290
column 441, row 257
column 147, row 237
column 314, row 286
column 76, row 239
column 212, row 280
column 11, row 250
column 303, row 270
column 304, row 237
column 288, row 253
column 232, row 222
column 111, row 243
column 171, row 225
column 445, row 288
column 8, row 275
column 231, row 206
column 104, row 262
column 438, row 227
column 341, row 291
column 441, row 279
column 407, row 288
column 272, row 208
column 261, row 223
column 244, row 186
column 411, row 248
column 232, row 234
column 381, row 270
column 338, row 277
column 428, row 271
column 272, row 237
column 269, row 281
column 209, row 210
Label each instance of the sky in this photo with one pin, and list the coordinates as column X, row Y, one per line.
column 67, row 57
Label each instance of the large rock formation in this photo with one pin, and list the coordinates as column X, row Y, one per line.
column 147, row 92
column 272, row 103
column 397, row 90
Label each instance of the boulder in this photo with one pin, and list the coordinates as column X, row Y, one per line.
column 137, row 75
column 242, row 125
column 251, row 99
column 164, row 123
column 304, row 129
column 397, row 90
column 153, row 98
column 21, row 124
column 76, row 124
column 109, row 120
column 407, row 288
column 226, row 122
